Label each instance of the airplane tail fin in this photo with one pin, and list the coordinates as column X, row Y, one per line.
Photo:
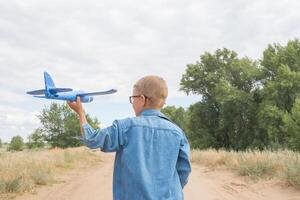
column 49, row 84
column 48, row 81
column 50, row 88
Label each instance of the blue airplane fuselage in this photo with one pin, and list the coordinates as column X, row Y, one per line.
column 70, row 96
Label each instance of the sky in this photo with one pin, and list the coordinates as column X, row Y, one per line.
column 95, row 45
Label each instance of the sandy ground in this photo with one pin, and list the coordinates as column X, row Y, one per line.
column 96, row 184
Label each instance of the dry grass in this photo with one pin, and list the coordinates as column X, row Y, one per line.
column 23, row 171
column 283, row 165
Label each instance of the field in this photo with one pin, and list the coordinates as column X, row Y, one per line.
column 281, row 165
column 23, row 171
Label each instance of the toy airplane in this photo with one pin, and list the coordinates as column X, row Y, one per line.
column 67, row 94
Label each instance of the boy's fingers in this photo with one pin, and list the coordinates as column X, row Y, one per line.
column 75, row 105
column 74, row 102
column 70, row 104
column 78, row 99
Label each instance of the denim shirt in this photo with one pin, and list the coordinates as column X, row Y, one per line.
column 152, row 156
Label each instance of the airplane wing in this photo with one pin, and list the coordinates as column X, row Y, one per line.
column 98, row 93
column 51, row 90
column 44, row 97
column 57, row 90
column 36, row 92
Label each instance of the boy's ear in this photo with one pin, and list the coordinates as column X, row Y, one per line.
column 144, row 99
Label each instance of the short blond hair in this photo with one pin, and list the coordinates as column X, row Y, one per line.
column 153, row 87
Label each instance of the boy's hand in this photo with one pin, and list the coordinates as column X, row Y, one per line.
column 76, row 106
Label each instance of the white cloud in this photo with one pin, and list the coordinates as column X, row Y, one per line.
column 9, row 96
column 15, row 121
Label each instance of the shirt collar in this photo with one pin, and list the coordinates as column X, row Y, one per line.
column 152, row 112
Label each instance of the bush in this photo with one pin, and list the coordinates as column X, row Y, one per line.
column 16, row 144
column 36, row 139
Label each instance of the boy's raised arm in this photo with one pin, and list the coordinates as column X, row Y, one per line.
column 108, row 139
column 78, row 108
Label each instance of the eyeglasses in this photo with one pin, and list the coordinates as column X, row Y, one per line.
column 130, row 97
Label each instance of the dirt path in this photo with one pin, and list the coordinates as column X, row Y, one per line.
column 96, row 184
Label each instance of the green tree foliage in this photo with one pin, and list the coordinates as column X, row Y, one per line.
column 281, row 66
column 16, row 144
column 61, row 127
column 176, row 115
column 226, row 116
column 36, row 139
column 292, row 126
column 0, row 143
column 245, row 103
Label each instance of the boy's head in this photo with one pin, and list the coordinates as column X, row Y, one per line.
column 150, row 92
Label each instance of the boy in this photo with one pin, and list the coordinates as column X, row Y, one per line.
column 152, row 153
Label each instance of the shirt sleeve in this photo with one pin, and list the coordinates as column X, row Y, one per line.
column 183, row 165
column 109, row 139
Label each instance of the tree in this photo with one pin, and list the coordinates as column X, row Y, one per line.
column 281, row 87
column 36, row 139
column 245, row 103
column 16, row 144
column 177, row 115
column 292, row 126
column 226, row 115
column 61, row 127
column 202, row 120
